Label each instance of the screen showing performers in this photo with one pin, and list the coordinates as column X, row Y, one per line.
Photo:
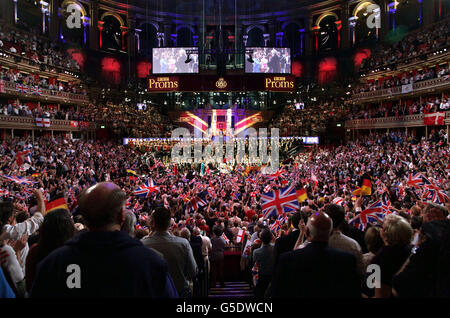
column 268, row 60
column 175, row 60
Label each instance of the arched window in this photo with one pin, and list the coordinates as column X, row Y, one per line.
column 292, row 38
column 328, row 34
column 111, row 33
column 255, row 37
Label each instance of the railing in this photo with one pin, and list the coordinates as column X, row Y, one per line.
column 18, row 122
column 395, row 91
column 17, row 58
column 391, row 122
column 11, row 88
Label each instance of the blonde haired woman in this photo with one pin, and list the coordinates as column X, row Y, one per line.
column 396, row 234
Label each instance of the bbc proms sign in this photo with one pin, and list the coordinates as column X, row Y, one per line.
column 279, row 83
column 212, row 83
column 163, row 84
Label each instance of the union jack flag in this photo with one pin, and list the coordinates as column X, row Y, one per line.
column 145, row 189
column 387, row 206
column 275, row 175
column 19, row 180
column 435, row 194
column 138, row 207
column 279, row 201
column 22, row 88
column 4, row 193
column 195, row 203
column 415, row 180
column 36, row 90
column 249, row 179
column 373, row 214
column 275, row 226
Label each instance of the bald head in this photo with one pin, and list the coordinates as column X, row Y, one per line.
column 102, row 205
column 319, row 227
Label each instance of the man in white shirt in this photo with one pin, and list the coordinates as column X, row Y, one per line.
column 12, row 231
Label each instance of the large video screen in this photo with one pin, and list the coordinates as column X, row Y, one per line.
column 272, row 60
column 175, row 60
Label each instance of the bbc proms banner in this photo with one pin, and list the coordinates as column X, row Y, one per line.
column 198, row 83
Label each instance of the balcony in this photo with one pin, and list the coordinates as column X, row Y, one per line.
column 47, row 95
column 29, row 123
column 391, row 122
column 419, row 87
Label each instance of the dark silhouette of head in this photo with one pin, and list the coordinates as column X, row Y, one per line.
column 103, row 207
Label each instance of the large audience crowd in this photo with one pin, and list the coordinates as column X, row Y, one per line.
column 194, row 211
column 411, row 48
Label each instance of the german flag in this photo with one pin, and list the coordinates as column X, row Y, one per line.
column 366, row 188
column 132, row 172
column 60, row 203
column 301, row 195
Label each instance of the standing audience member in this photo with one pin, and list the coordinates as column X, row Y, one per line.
column 317, row 270
column 176, row 251
column 77, row 269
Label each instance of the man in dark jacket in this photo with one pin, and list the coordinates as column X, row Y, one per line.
column 104, row 261
column 317, row 270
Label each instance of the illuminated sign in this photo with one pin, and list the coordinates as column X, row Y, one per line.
column 279, row 83
column 163, row 84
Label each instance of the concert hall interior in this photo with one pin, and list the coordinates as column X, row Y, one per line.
column 225, row 149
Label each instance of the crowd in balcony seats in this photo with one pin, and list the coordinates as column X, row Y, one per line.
column 311, row 119
column 125, row 120
column 410, row 106
column 416, row 76
column 179, row 241
column 35, row 48
column 411, row 48
column 53, row 84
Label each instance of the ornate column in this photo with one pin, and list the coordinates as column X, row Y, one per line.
column 266, row 39
column 160, row 36
column 245, row 39
column 345, row 41
column 137, row 40
column 94, row 36
column 45, row 13
column 167, row 31
column 54, row 20
column 339, row 27
column 279, row 39
column 100, row 37
column 302, row 40
column 352, row 26
column 124, row 30
column 309, row 36
column 316, row 32
column 15, row 11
